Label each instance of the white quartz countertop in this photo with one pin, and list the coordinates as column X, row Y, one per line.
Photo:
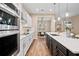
column 25, row 35
column 70, row 43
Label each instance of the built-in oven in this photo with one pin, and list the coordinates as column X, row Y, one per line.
column 7, row 21
column 8, row 45
column 9, row 34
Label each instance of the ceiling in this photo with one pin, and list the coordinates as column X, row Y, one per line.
column 52, row 8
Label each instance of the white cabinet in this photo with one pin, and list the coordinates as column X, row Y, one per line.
column 25, row 44
column 26, row 18
column 29, row 20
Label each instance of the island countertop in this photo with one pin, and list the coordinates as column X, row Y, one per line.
column 70, row 43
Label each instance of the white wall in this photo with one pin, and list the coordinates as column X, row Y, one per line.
column 75, row 24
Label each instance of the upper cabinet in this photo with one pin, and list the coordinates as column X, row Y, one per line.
column 25, row 22
column 26, row 18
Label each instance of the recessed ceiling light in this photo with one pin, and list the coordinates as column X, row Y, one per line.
column 50, row 9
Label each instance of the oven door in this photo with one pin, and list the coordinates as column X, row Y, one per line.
column 7, row 21
column 9, row 45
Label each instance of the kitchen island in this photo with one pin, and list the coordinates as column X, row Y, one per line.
column 61, row 45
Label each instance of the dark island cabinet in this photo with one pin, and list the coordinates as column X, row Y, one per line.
column 61, row 50
column 51, row 44
column 56, row 48
column 54, row 45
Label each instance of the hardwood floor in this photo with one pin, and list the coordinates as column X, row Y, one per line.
column 39, row 48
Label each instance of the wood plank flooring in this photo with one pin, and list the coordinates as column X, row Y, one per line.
column 38, row 48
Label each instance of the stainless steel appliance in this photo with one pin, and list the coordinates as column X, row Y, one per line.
column 7, row 21
column 9, row 31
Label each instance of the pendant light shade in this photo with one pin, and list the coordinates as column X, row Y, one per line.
column 59, row 13
column 54, row 12
column 67, row 11
column 67, row 14
column 58, row 18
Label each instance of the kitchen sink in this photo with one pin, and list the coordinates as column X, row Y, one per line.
column 54, row 34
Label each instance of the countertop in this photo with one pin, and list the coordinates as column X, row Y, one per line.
column 25, row 35
column 70, row 43
column 7, row 33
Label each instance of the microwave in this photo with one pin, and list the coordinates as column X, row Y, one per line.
column 7, row 21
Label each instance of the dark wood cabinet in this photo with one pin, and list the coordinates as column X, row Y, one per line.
column 71, row 54
column 49, row 42
column 54, row 45
column 59, row 52
column 61, row 49
column 56, row 48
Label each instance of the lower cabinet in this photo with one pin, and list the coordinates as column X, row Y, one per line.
column 61, row 50
column 59, row 53
column 25, row 44
column 53, row 47
column 56, row 48
column 71, row 54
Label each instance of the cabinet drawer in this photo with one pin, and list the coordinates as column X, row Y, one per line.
column 62, row 48
column 59, row 52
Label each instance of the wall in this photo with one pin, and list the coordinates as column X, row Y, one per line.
column 25, row 22
column 75, row 23
column 34, row 18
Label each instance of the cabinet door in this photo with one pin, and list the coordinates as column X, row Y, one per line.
column 54, row 51
column 47, row 38
column 62, row 48
column 52, row 46
column 59, row 52
column 25, row 45
column 49, row 42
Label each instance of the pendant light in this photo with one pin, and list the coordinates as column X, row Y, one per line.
column 54, row 12
column 67, row 12
column 58, row 18
column 59, row 13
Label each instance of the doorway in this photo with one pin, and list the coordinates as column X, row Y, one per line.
column 43, row 25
